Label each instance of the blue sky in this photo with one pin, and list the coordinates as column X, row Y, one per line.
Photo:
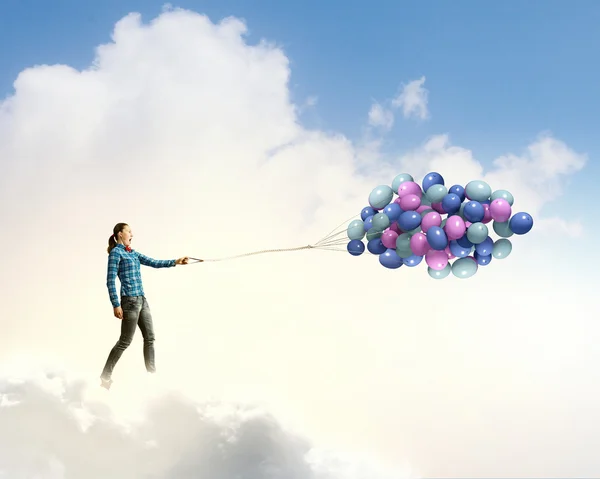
column 497, row 74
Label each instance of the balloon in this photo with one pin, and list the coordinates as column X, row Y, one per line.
column 474, row 211
column 438, row 207
column 483, row 260
column 421, row 209
column 502, row 229
column 487, row 217
column 478, row 190
column 430, row 219
column 436, row 260
column 443, row 225
column 374, row 233
column 356, row 247
column 459, row 251
column 401, row 178
column 409, row 220
column 464, row 268
column 441, row 273
column 505, row 195
column 464, row 242
column 521, row 223
column 390, row 259
column 502, row 248
column 410, row 202
column 392, row 211
column 409, row 188
column 380, row 197
column 368, row 223
column 436, row 238
column 436, row 193
column 381, row 222
column 431, row 179
column 458, row 191
column 451, row 203
column 419, row 244
column 356, row 230
column 388, row 238
column 375, row 246
column 413, row 260
column 449, row 252
column 403, row 245
column 366, row 212
column 395, row 228
column 455, row 227
column 500, row 210
column 477, row 232
column 485, row 247
column 425, row 201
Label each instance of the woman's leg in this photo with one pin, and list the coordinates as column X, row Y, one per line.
column 131, row 312
column 147, row 329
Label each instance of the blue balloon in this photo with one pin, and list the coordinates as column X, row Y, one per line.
column 464, row 241
column 390, row 259
column 436, row 237
column 486, row 247
column 483, row 260
column 458, row 250
column 368, row 223
column 356, row 247
column 431, row 179
column 393, row 211
column 409, row 220
column 458, row 191
column 375, row 246
column 521, row 223
column 474, row 211
column 486, row 202
column 413, row 260
column 366, row 212
column 451, row 203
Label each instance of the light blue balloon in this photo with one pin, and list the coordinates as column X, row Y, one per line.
column 464, row 268
column 502, row 248
column 403, row 245
column 356, row 230
column 381, row 196
column 477, row 233
column 461, row 211
column 478, row 190
column 441, row 274
column 436, row 193
column 505, row 195
column 502, row 229
column 401, row 178
column 425, row 201
column 374, row 234
column 381, row 221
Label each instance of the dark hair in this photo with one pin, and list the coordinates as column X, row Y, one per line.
column 112, row 241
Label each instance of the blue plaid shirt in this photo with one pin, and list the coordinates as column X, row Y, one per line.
column 126, row 265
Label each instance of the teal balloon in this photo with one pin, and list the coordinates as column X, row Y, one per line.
column 502, row 248
column 505, row 195
column 380, row 197
column 356, row 230
column 502, row 229
column 477, row 233
column 381, row 221
column 374, row 234
column 464, row 268
column 478, row 190
column 403, row 245
column 401, row 178
column 425, row 201
column 427, row 211
column 441, row 274
column 415, row 231
column 436, row 193
column 443, row 225
column 461, row 211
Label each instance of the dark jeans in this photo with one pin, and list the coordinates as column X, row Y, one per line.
column 136, row 312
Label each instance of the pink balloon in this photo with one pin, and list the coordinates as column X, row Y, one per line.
column 395, row 228
column 449, row 253
column 419, row 244
column 487, row 216
column 422, row 208
column 388, row 238
column 430, row 219
column 500, row 210
column 436, row 260
column 409, row 188
column 455, row 227
column 438, row 207
column 468, row 223
column 410, row 202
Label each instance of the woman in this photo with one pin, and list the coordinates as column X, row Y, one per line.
column 133, row 310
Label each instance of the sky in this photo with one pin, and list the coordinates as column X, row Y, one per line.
column 216, row 129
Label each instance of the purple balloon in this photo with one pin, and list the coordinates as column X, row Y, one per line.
column 409, row 188
column 455, row 227
column 487, row 215
column 410, row 202
column 449, row 253
column 436, row 260
column 395, row 228
column 422, row 208
column 500, row 210
column 419, row 244
column 388, row 238
column 438, row 207
column 430, row 219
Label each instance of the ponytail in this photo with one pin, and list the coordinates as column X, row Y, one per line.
column 111, row 243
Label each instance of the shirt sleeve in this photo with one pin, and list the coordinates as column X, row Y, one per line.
column 155, row 263
column 111, row 276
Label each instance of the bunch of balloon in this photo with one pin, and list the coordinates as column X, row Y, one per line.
column 448, row 227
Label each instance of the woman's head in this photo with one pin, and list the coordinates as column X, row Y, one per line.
column 121, row 234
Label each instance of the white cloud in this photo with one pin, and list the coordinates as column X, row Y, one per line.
column 413, row 99
column 381, row 117
column 188, row 133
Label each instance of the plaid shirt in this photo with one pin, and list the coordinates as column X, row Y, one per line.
column 126, row 265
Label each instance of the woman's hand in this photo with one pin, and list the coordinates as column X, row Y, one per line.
column 118, row 312
column 184, row 260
